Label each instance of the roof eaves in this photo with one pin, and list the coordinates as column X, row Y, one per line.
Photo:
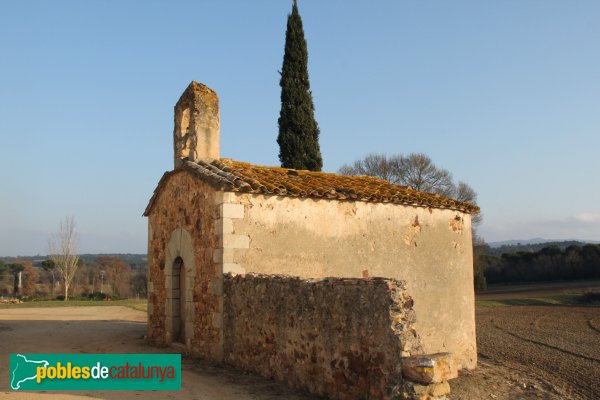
column 235, row 176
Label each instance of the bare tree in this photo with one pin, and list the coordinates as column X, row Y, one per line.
column 419, row 172
column 50, row 267
column 466, row 193
column 30, row 279
column 416, row 170
column 378, row 165
column 139, row 283
column 118, row 274
column 63, row 252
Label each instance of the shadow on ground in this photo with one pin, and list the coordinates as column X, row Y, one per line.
column 118, row 330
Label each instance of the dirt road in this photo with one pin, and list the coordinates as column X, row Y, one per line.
column 116, row 330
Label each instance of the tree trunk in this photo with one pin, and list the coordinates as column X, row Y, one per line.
column 16, row 285
column 66, row 291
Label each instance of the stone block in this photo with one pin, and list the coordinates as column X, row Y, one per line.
column 216, row 352
column 223, row 255
column 217, row 320
column 236, row 242
column 228, row 197
column 439, row 389
column 217, row 286
column 189, row 334
column 227, row 226
column 227, row 255
column 224, row 226
column 224, row 197
column 434, row 391
column 218, row 197
column 218, row 255
column 233, row 268
column 431, row 368
column 220, row 304
column 228, row 210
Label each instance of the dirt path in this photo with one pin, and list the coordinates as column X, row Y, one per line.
column 116, row 330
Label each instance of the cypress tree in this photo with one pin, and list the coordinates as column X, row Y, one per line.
column 298, row 137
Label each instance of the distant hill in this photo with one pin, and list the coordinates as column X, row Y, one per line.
column 519, row 242
column 136, row 261
column 538, row 241
column 531, row 245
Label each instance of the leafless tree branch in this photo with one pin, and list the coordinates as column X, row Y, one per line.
column 63, row 252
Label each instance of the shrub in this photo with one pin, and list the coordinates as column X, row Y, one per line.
column 34, row 298
column 591, row 297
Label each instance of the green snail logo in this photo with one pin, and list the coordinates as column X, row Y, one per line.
column 24, row 370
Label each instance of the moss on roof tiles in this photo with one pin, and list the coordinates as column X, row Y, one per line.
column 236, row 176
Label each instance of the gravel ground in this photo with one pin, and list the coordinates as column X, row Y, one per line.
column 556, row 349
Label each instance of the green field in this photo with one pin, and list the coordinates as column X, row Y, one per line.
column 556, row 300
column 140, row 305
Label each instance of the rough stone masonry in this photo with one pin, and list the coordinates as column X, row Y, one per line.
column 343, row 338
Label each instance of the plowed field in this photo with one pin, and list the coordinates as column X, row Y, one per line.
column 556, row 345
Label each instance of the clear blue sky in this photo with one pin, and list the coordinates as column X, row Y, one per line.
column 504, row 94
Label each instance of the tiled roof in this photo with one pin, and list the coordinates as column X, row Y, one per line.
column 235, row 176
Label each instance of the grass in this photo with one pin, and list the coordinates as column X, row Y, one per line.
column 590, row 298
column 557, row 300
column 140, row 305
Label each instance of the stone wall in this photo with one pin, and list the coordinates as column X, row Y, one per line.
column 343, row 338
column 430, row 249
column 187, row 208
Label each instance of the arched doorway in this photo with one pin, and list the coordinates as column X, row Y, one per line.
column 178, row 300
column 180, row 274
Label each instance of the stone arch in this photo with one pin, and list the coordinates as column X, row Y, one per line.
column 180, row 275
